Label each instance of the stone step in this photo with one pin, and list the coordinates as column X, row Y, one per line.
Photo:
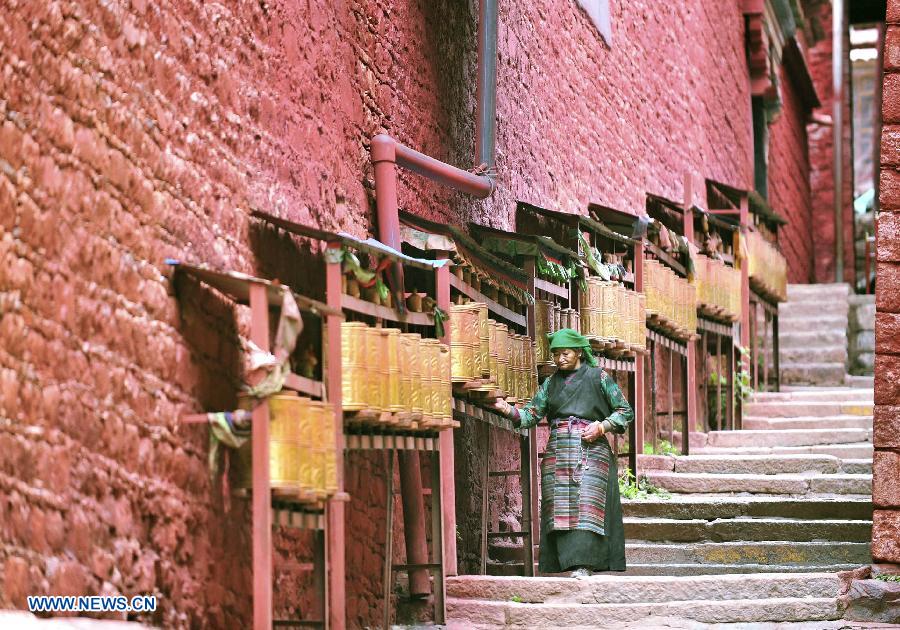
column 801, row 292
column 814, row 354
column 813, row 373
column 743, row 529
column 858, row 450
column 678, row 569
column 812, row 337
column 863, row 382
column 793, row 484
column 807, row 422
column 786, row 437
column 483, row 614
column 741, row 464
column 780, row 553
column 816, row 394
column 801, row 408
column 619, row 589
column 832, row 323
column 811, row 310
column 856, row 466
column 716, row 506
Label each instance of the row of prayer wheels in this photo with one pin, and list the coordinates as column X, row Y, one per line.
column 385, row 369
column 670, row 297
column 548, row 318
column 718, row 286
column 610, row 311
column 302, row 450
column 768, row 267
column 483, row 349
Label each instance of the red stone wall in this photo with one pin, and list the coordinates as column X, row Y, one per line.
column 134, row 131
column 821, row 141
column 788, row 172
column 886, row 471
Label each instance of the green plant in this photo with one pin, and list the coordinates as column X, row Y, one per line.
column 884, row 577
column 516, row 598
column 630, row 488
column 664, row 447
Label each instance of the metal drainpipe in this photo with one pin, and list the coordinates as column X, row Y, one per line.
column 387, row 153
column 837, row 66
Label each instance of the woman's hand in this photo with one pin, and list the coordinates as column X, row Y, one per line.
column 593, row 432
column 503, row 407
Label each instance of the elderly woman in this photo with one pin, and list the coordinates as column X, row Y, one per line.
column 581, row 513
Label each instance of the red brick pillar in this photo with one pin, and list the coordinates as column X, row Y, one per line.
column 885, row 488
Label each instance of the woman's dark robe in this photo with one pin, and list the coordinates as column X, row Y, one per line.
column 581, row 512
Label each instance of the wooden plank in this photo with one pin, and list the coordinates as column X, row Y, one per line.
column 304, row 385
column 552, row 288
column 376, row 310
column 663, row 257
column 466, row 289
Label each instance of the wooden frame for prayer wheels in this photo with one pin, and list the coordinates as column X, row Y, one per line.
column 261, row 296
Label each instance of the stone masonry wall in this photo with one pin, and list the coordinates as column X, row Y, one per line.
column 886, row 470
column 132, row 131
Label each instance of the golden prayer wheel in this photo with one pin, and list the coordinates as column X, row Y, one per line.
column 322, row 439
column 430, row 349
column 542, row 329
column 354, row 378
column 446, row 387
column 483, row 363
column 285, row 411
column 411, row 371
column 376, row 381
column 395, row 402
column 464, row 342
column 502, row 338
column 307, row 441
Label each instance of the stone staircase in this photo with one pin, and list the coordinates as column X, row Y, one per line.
column 813, row 334
column 759, row 523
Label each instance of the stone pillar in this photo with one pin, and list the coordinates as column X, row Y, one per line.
column 886, row 471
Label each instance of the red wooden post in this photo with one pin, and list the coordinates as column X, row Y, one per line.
column 262, row 495
column 639, row 410
column 448, row 479
column 691, row 354
column 334, row 555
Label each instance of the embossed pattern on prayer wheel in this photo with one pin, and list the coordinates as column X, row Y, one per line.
column 541, row 330
column 411, row 371
column 482, row 361
column 445, row 385
column 354, row 381
column 502, row 336
column 378, row 370
column 430, row 380
column 395, row 401
column 464, row 342
column 322, row 432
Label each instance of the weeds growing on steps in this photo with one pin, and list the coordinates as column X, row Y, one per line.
column 631, row 488
column 884, row 577
column 664, row 447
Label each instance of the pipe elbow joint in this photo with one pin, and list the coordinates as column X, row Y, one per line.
column 384, row 148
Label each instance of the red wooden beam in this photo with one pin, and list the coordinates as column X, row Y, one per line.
column 262, row 495
column 335, row 542
column 448, row 482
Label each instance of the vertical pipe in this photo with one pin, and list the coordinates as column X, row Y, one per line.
column 437, row 520
column 384, row 156
column 486, row 90
column 388, row 540
column 837, row 66
column 335, row 543
column 639, row 364
column 485, row 496
column 447, row 458
column 262, row 494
